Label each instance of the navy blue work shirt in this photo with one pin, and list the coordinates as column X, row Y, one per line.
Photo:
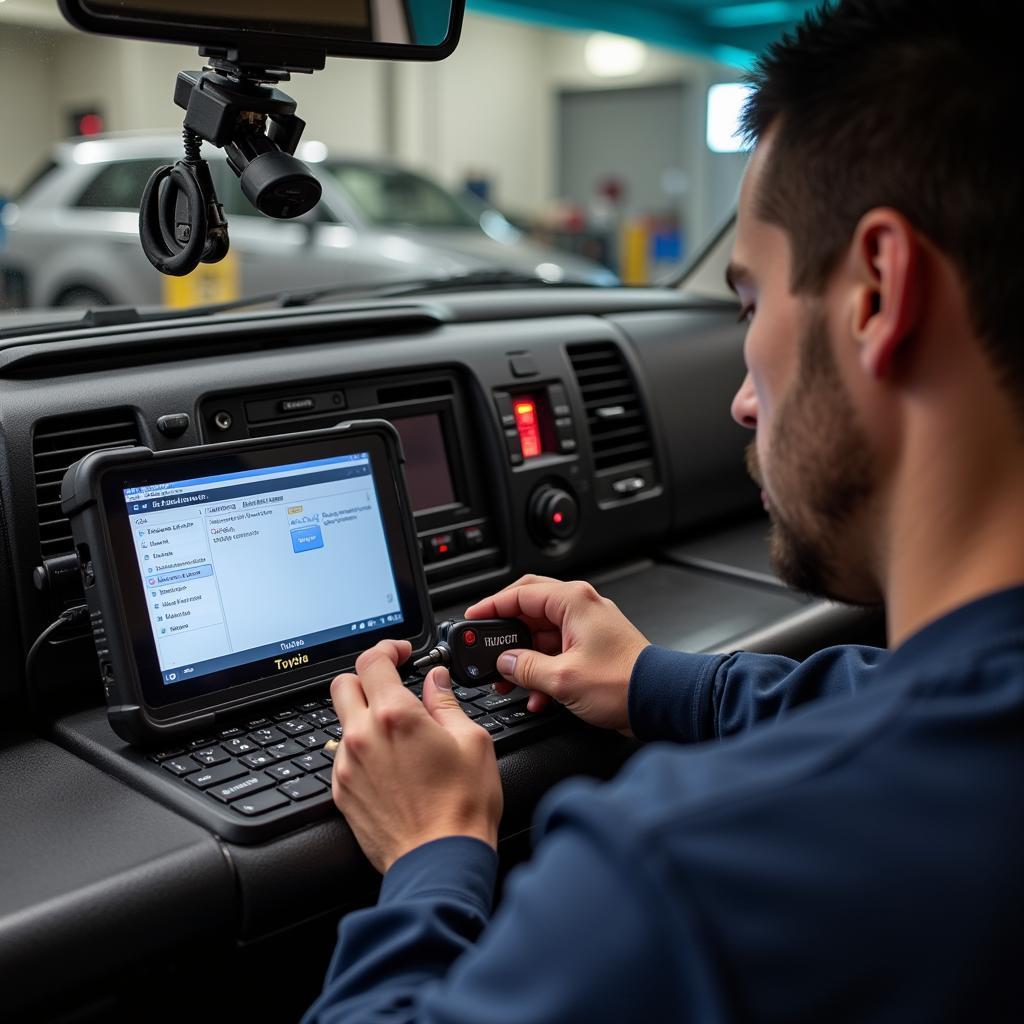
column 855, row 858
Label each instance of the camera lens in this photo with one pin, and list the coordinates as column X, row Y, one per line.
column 222, row 420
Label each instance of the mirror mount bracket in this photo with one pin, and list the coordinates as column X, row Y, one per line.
column 236, row 107
column 265, row 63
column 225, row 100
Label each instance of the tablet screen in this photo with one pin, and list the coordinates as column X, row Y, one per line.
column 269, row 563
column 237, row 570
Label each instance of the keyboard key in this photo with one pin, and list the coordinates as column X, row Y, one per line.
column 163, row 755
column 285, row 770
column 216, row 776
column 309, row 705
column 239, row 745
column 493, row 701
column 516, row 717
column 264, row 737
column 206, row 741
column 257, row 759
column 260, row 803
column 302, row 789
column 468, row 692
column 180, row 766
column 312, row 740
column 227, row 734
column 324, row 717
column 240, row 787
column 295, row 727
column 325, row 777
column 210, row 756
column 492, row 725
column 473, row 712
column 309, row 762
column 280, row 716
column 256, row 723
column 334, row 731
column 279, row 751
column 327, row 702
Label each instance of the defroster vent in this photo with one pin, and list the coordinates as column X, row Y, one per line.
column 58, row 443
column 618, row 428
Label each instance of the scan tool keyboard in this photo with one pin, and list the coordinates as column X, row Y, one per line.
column 271, row 771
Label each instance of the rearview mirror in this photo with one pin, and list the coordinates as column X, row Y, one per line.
column 296, row 34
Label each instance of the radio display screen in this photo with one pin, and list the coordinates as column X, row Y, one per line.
column 427, row 472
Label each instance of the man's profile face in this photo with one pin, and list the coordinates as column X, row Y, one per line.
column 809, row 455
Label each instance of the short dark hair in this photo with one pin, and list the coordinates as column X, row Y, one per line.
column 911, row 104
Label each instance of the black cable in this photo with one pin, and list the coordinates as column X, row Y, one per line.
column 70, row 616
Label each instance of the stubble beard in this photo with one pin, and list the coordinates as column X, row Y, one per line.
column 822, row 480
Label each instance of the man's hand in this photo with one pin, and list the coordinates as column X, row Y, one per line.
column 408, row 772
column 586, row 647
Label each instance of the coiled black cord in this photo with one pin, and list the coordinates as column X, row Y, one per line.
column 181, row 223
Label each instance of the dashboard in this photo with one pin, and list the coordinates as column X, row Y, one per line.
column 571, row 433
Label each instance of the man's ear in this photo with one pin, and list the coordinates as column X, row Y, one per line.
column 888, row 274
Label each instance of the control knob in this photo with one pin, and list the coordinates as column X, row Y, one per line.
column 553, row 513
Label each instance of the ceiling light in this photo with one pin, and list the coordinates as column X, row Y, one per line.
column 725, row 105
column 611, row 56
column 313, row 152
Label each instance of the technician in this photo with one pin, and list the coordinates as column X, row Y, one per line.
column 851, row 846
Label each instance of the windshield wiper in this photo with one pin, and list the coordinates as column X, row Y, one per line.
column 427, row 285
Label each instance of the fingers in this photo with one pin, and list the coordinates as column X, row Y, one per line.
column 537, row 702
column 440, row 702
column 347, row 697
column 396, row 651
column 486, row 608
column 535, row 671
column 377, row 671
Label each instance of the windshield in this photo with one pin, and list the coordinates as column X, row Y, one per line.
column 393, row 197
column 536, row 152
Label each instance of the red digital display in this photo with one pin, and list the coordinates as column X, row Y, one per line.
column 525, row 410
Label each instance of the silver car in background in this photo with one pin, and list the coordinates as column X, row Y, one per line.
column 71, row 238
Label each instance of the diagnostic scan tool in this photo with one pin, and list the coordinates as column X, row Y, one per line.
column 220, row 577
column 228, row 584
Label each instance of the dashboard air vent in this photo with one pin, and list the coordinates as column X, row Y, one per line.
column 58, row 443
column 615, row 417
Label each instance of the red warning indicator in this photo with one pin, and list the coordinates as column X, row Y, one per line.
column 469, row 637
column 525, row 410
column 557, row 518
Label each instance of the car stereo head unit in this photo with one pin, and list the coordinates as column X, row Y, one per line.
column 224, row 576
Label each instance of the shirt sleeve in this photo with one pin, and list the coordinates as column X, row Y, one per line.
column 689, row 698
column 580, row 936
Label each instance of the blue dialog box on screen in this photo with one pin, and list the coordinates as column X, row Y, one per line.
column 307, row 538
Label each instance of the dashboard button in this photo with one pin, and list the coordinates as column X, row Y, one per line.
column 515, row 447
column 559, row 401
column 503, row 403
column 565, row 430
column 522, row 366
column 173, row 424
column 290, row 405
column 473, row 537
column 554, row 514
column 442, row 545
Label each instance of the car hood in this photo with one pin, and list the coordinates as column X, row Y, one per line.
column 469, row 249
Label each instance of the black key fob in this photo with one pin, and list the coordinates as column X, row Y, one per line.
column 471, row 647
